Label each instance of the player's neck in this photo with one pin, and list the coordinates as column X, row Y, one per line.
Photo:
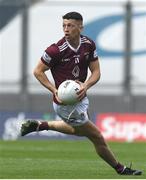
column 74, row 43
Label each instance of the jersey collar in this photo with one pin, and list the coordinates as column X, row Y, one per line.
column 72, row 48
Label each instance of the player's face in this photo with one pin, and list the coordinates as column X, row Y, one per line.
column 72, row 29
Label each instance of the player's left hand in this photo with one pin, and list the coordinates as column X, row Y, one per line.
column 82, row 92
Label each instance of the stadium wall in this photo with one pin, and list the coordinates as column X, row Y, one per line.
column 32, row 28
column 107, row 24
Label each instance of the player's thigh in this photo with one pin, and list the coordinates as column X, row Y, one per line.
column 61, row 126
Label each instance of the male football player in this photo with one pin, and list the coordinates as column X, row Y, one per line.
column 70, row 58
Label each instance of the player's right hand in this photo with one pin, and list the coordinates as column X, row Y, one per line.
column 56, row 97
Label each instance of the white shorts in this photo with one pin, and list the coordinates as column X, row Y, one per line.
column 75, row 115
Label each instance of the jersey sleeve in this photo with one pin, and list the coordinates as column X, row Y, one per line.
column 50, row 55
column 93, row 54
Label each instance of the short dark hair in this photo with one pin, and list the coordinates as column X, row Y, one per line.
column 73, row 15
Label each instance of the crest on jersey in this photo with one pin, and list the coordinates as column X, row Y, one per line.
column 77, row 58
column 76, row 71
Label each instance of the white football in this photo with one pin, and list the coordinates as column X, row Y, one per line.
column 67, row 92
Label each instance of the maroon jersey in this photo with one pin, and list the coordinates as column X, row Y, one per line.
column 66, row 62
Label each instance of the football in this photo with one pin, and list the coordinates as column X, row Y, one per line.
column 67, row 92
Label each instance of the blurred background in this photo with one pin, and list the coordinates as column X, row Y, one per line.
column 117, row 102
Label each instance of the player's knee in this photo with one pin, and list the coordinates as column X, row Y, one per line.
column 97, row 138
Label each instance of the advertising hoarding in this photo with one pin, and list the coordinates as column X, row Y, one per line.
column 11, row 123
column 122, row 127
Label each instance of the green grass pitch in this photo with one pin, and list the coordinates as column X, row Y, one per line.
column 65, row 159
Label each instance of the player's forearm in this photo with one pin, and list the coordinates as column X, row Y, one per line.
column 93, row 79
column 42, row 78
